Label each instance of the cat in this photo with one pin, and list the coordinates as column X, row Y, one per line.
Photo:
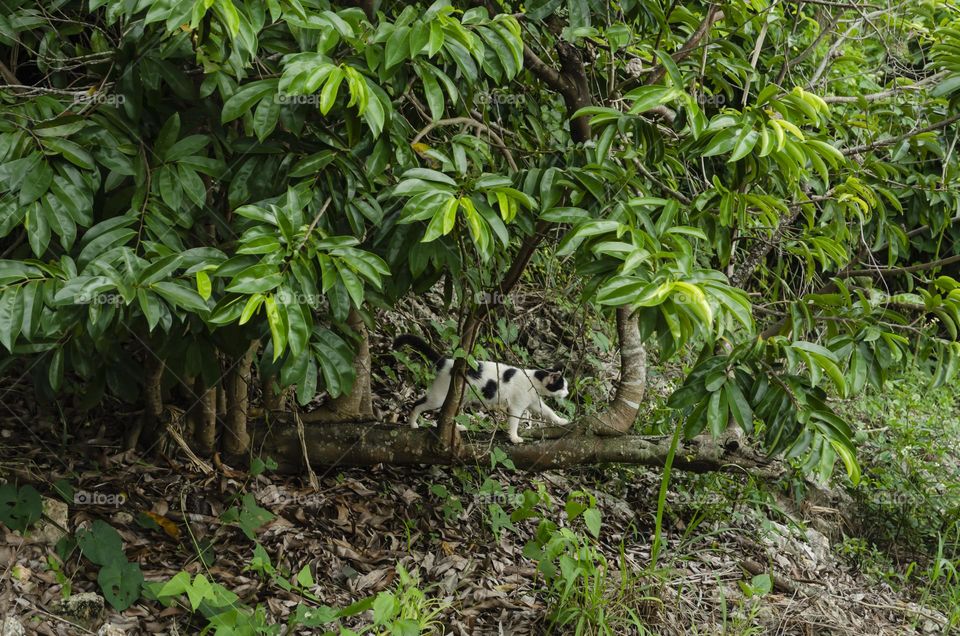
column 496, row 385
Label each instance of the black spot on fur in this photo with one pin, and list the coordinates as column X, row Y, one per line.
column 420, row 401
column 556, row 382
column 489, row 389
column 509, row 373
column 540, row 374
column 477, row 373
column 442, row 362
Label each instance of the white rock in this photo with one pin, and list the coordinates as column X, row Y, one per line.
column 10, row 626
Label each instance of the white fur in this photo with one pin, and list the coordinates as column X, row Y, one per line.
column 522, row 393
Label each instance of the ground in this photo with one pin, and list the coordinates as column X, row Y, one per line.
column 440, row 525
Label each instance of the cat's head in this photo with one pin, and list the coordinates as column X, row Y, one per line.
column 551, row 382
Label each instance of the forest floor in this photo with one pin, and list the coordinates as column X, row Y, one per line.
column 738, row 555
column 450, row 529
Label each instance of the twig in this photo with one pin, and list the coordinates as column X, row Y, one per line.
column 943, row 123
column 872, row 97
column 714, row 14
column 311, row 476
column 469, row 121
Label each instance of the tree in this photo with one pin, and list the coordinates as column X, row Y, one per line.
column 195, row 188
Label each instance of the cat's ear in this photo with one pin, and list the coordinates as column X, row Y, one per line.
column 553, row 378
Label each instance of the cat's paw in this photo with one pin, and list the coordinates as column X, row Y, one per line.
column 414, row 425
column 516, row 439
column 561, row 421
column 461, row 428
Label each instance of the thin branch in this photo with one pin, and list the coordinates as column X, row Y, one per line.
column 895, row 271
column 714, row 14
column 469, row 121
column 873, row 97
column 8, row 75
column 943, row 123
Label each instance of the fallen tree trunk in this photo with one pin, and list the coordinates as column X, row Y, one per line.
column 364, row 445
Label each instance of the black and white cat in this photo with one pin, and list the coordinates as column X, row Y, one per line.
column 496, row 385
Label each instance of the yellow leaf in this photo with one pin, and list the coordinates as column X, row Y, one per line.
column 169, row 527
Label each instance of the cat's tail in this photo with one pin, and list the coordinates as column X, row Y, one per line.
column 418, row 343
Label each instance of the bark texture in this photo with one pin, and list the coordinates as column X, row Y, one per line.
column 620, row 416
column 358, row 404
column 236, row 440
column 363, row 445
column 204, row 416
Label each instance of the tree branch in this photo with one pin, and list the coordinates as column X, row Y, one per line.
column 714, row 14
column 396, row 445
column 873, row 97
column 943, row 123
column 883, row 272
column 469, row 121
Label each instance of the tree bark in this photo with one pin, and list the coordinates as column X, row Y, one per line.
column 358, row 445
column 236, row 440
column 150, row 424
column 620, row 415
column 358, row 404
column 272, row 398
column 204, row 418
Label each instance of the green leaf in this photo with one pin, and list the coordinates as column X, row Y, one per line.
column 101, row 544
column 36, row 183
column 261, row 278
column 443, row 221
column 180, row 296
column 243, row 100
column 744, row 144
column 192, row 184
column 21, row 507
column 329, row 93
column 121, row 583
column 591, row 517
column 71, row 151
column 739, row 406
column 204, row 286
column 398, row 48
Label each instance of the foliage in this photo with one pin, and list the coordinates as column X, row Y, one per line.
column 20, row 507
column 120, row 580
column 584, row 596
column 906, row 515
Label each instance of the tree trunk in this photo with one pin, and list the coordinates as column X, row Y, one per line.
column 150, row 424
column 204, row 416
column 358, row 404
column 620, row 415
column 236, row 440
column 449, row 437
column 364, row 445
column 273, row 398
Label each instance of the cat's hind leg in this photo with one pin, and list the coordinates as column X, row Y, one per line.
column 426, row 403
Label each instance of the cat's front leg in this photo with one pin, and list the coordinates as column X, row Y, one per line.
column 514, row 420
column 551, row 416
